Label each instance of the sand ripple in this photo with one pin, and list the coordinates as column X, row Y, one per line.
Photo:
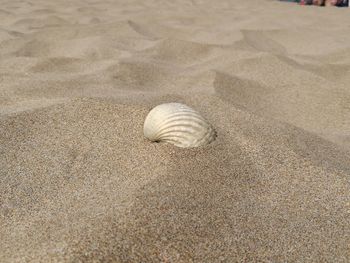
column 79, row 183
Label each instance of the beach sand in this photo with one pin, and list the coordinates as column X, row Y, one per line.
column 80, row 183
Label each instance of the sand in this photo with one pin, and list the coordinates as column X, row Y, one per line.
column 80, row 183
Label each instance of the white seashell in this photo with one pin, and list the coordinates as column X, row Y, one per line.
column 178, row 124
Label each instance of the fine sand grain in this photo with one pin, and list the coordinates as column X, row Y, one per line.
column 79, row 183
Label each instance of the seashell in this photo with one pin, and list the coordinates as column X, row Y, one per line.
column 178, row 124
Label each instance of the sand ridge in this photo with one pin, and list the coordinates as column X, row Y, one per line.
column 79, row 183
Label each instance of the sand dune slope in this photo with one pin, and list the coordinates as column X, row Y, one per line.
column 79, row 183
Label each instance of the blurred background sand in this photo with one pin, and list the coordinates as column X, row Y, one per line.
column 79, row 183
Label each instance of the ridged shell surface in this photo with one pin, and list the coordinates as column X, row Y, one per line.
column 178, row 124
